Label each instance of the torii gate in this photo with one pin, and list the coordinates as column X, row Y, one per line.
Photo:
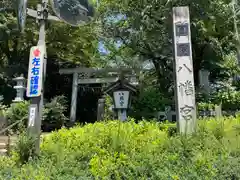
column 82, row 75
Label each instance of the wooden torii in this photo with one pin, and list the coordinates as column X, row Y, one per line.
column 83, row 75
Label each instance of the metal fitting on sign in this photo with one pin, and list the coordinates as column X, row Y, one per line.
column 42, row 11
column 39, row 12
column 45, row 10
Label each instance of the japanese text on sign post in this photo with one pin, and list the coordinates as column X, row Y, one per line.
column 35, row 71
column 121, row 99
column 185, row 92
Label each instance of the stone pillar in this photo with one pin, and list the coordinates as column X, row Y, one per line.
column 101, row 109
column 218, row 111
column 183, row 66
column 204, row 80
column 74, row 98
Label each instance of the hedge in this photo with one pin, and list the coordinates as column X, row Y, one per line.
column 144, row 150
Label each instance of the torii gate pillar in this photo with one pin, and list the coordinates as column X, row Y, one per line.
column 74, row 98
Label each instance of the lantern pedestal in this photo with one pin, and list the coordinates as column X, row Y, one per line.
column 122, row 114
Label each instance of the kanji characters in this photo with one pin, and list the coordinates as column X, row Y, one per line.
column 35, row 72
column 186, row 88
column 121, row 98
column 186, row 112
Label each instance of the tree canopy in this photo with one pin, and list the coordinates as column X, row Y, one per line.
column 132, row 33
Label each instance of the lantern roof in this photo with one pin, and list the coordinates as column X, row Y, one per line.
column 19, row 78
column 121, row 84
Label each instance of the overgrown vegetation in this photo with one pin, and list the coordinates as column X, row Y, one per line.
column 53, row 114
column 24, row 148
column 17, row 112
column 132, row 33
column 116, row 150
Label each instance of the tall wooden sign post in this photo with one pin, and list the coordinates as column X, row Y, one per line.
column 36, row 77
column 184, row 79
column 38, row 54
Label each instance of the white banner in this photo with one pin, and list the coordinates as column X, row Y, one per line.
column 32, row 115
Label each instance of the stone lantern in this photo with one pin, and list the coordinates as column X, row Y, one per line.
column 20, row 88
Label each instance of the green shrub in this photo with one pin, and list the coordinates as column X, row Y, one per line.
column 228, row 168
column 129, row 150
column 3, row 110
column 108, row 113
column 24, row 148
column 53, row 116
column 16, row 112
column 228, row 97
column 149, row 101
column 202, row 106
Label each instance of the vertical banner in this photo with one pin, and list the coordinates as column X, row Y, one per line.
column 184, row 77
column 35, row 71
column 32, row 115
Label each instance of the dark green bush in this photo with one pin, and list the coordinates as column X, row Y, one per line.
column 108, row 113
column 3, row 109
column 17, row 112
column 24, row 148
column 228, row 98
column 53, row 116
column 149, row 101
column 228, row 168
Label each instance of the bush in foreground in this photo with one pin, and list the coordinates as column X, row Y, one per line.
column 115, row 150
column 53, row 114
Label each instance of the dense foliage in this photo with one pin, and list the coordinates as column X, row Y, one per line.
column 53, row 114
column 115, row 150
column 66, row 47
column 136, row 34
column 131, row 33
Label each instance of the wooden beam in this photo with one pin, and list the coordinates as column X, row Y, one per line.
column 97, row 80
column 93, row 70
column 101, row 80
column 33, row 13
